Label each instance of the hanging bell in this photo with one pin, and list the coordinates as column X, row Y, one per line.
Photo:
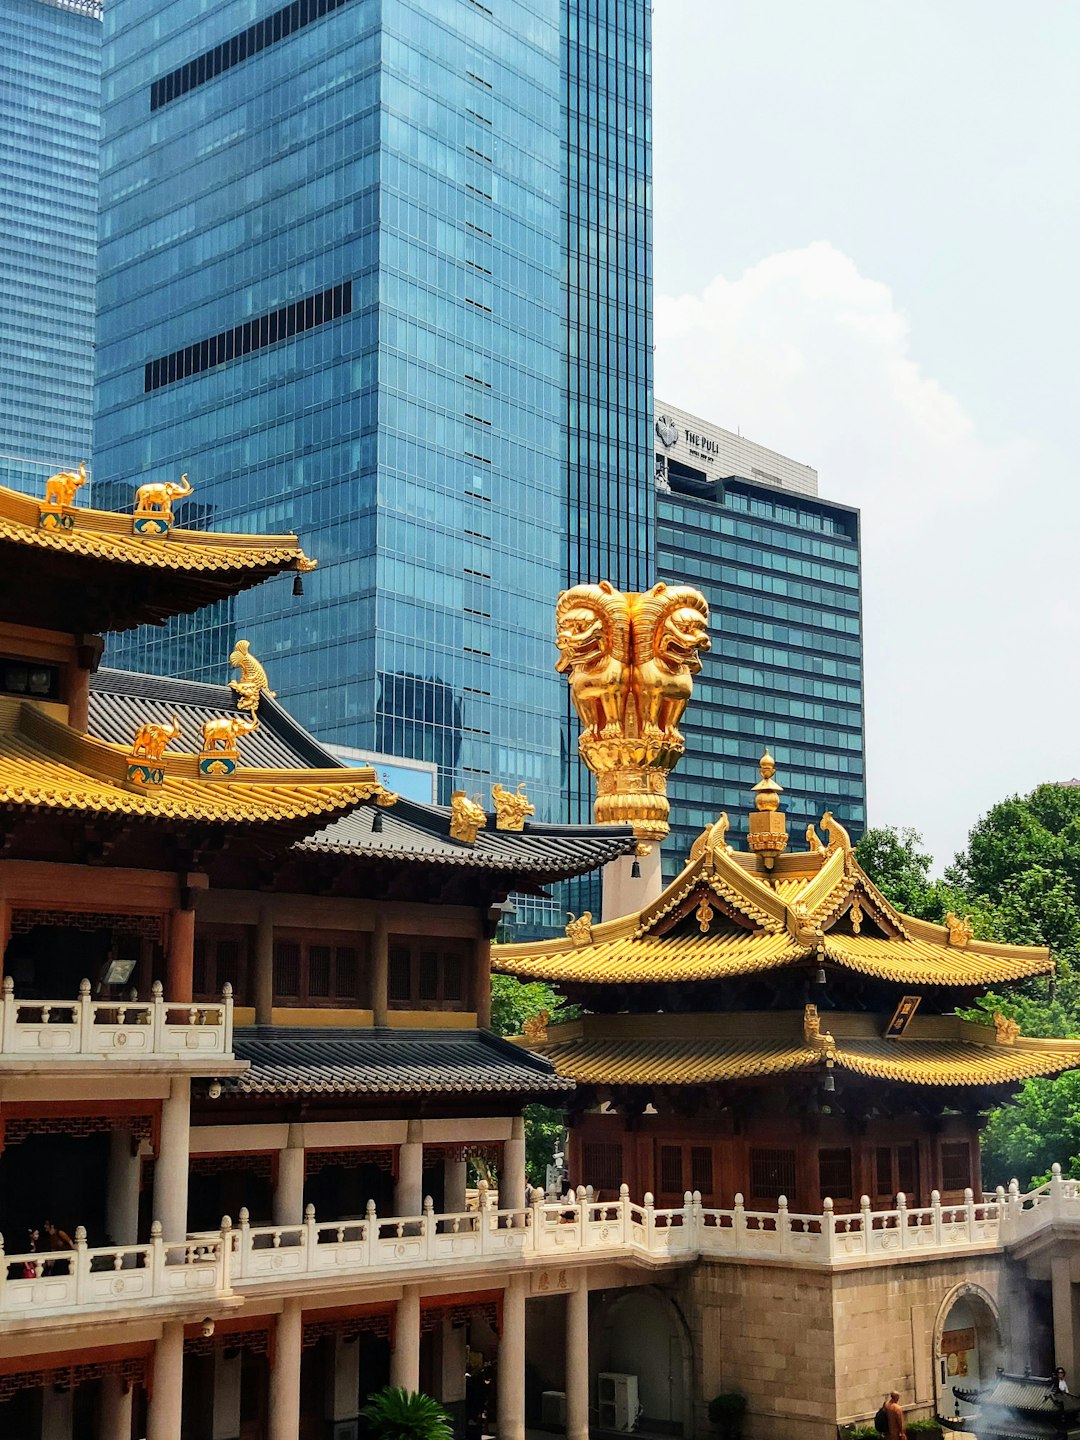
column 298, row 584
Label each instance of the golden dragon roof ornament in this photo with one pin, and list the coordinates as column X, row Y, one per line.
column 630, row 660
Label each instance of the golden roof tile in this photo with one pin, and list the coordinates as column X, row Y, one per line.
column 791, row 911
column 45, row 765
column 657, row 1060
column 106, row 535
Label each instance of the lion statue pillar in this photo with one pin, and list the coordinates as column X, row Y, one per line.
column 630, row 660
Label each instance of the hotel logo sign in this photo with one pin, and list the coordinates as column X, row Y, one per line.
column 667, row 432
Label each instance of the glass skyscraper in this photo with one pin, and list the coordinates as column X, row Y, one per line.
column 780, row 568
column 355, row 279
column 50, row 58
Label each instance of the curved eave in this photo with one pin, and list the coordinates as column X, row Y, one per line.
column 923, row 962
column 953, row 1065
column 651, row 960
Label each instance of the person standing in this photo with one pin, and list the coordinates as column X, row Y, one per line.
column 895, row 1415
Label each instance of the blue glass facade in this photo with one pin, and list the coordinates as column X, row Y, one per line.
column 50, row 58
column 331, row 290
column 782, row 576
column 607, row 166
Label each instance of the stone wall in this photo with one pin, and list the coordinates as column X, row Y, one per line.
column 814, row 1349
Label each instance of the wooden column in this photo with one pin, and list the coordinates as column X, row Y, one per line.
column 482, row 984
column 181, row 956
column 264, row 966
column 380, row 970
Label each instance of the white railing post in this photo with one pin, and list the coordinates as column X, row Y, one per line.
column 371, row 1232
column 935, row 1211
column 535, row 1240
column 828, row 1227
column 783, row 1225
column 738, row 1224
column 427, row 1228
column 1057, row 1192
column 582, row 1199
column 866, row 1220
column 84, row 1018
column 80, row 1266
column 969, row 1206
column 625, row 1229
column 649, row 1208
column 157, row 1260
column 244, row 1247
column 902, row 1218
column 157, row 1017
column 225, row 1259
column 227, row 1016
column 310, row 1238
column 9, row 1012
column 687, row 1220
column 698, row 1225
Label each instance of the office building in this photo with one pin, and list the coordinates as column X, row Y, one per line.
column 780, row 568
column 50, row 56
column 332, row 290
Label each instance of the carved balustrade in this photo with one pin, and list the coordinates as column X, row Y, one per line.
column 120, row 1029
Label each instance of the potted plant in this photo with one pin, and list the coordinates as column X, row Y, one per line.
column 395, row 1414
column 926, row 1429
column 726, row 1412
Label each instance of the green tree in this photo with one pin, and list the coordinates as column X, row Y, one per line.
column 513, row 1002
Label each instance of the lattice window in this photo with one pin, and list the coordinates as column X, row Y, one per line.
column 834, row 1173
column 146, row 927
column 428, row 974
column 432, row 1316
column 955, row 1165
column 257, row 1341
column 671, row 1169
column 310, row 970
column 772, row 1173
column 347, row 1327
column 260, row 1166
column 381, row 1157
column 883, row 1170
column 701, row 1168
column 67, row 1377
column 602, row 1164
column 17, row 1130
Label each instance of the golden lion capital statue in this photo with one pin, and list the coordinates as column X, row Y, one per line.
column 630, row 660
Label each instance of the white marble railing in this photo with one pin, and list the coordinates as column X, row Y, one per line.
column 1023, row 1215
column 248, row 1258
column 121, row 1029
column 40, row 1285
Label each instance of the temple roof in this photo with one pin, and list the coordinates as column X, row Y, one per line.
column 700, row 1050
column 728, row 914
column 98, row 576
column 46, row 765
column 323, row 1061
column 406, row 832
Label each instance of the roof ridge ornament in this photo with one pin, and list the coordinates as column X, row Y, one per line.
column 579, row 930
column 961, row 931
column 467, row 817
column 512, row 807
column 253, row 682
column 153, row 505
column 630, row 660
column 60, row 498
column 220, row 753
column 768, row 835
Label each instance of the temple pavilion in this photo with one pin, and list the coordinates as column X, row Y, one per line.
column 771, row 1026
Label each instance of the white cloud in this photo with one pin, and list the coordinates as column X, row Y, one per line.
column 970, row 595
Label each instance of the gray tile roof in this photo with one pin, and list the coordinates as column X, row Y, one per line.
column 121, row 700
column 423, row 832
column 317, row 1061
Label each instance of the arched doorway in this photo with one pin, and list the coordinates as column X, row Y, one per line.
column 967, row 1345
column 640, row 1332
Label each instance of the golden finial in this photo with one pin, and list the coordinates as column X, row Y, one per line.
column 580, row 930
column 511, row 807
column 467, row 817
column 705, row 914
column 59, row 498
column 151, row 739
column 856, row 913
column 768, row 823
column 960, row 931
column 535, row 1028
column 253, row 682
column 153, row 505
column 631, row 661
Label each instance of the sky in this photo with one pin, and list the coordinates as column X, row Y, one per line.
column 866, row 234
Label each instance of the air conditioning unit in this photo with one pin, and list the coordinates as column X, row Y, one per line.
column 617, row 1401
column 553, row 1408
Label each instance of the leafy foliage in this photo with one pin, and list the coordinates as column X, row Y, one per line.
column 1019, row 880
column 513, row 1002
column 395, row 1414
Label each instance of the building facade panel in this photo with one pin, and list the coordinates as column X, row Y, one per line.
column 50, row 59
